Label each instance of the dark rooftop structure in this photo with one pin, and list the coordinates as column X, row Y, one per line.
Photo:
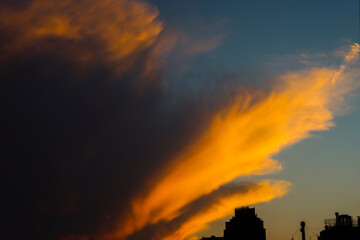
column 245, row 225
column 343, row 227
column 212, row 238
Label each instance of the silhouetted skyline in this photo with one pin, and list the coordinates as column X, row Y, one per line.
column 343, row 227
column 244, row 225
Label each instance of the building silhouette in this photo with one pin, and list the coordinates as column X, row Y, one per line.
column 343, row 227
column 245, row 225
column 212, row 238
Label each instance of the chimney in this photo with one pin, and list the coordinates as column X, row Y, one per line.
column 302, row 224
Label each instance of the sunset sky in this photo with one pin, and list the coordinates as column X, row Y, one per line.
column 154, row 119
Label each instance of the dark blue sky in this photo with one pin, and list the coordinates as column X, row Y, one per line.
column 260, row 28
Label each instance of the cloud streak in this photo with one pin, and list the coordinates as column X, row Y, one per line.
column 217, row 204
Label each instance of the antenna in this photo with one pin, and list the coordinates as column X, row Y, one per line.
column 302, row 230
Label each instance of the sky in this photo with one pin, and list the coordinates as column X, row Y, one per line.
column 153, row 120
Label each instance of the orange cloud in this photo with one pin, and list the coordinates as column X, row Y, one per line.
column 115, row 30
column 242, row 140
column 217, row 204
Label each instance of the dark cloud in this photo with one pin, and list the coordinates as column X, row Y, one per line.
column 79, row 139
column 15, row 3
column 77, row 145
